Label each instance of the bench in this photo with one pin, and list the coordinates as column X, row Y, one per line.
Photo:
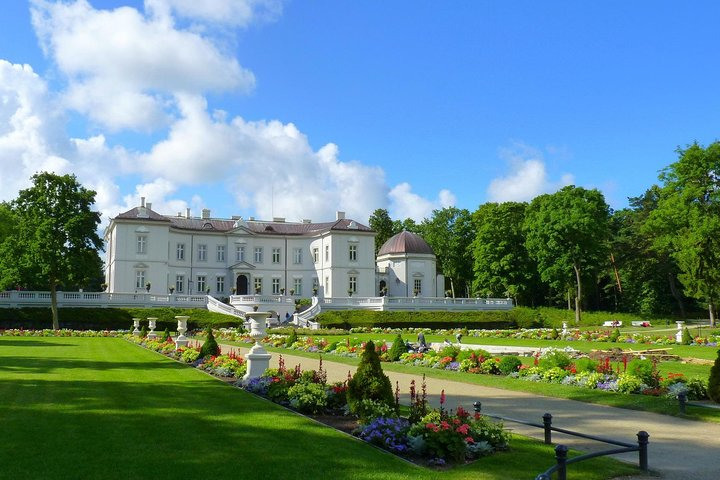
column 641, row 323
column 612, row 323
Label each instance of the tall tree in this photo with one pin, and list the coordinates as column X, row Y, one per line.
column 687, row 220
column 55, row 240
column 567, row 234
column 501, row 263
column 383, row 225
column 6, row 220
column 450, row 233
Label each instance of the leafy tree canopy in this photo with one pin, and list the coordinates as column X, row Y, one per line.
column 55, row 240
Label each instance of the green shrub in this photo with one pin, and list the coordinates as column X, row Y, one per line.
column 697, row 389
column 165, row 336
column 209, row 348
column 307, row 397
column 552, row 358
column 292, row 338
column 643, row 369
column 615, row 335
column 449, row 351
column 143, row 331
column 369, row 382
column 686, row 337
column 713, row 389
column 397, row 349
column 509, row 364
column 629, row 383
column 585, row 364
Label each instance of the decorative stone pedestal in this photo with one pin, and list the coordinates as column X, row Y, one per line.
column 181, row 340
column 136, row 325
column 564, row 328
column 679, row 333
column 258, row 360
column 152, row 322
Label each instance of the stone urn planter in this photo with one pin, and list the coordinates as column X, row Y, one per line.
column 258, row 359
column 136, row 327
column 181, row 340
column 152, row 323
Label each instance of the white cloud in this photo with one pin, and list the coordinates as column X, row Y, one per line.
column 123, row 69
column 233, row 12
column 527, row 177
column 406, row 204
column 128, row 70
column 29, row 126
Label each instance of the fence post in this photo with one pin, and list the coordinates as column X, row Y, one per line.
column 643, row 449
column 477, row 406
column 547, row 423
column 561, row 452
column 682, row 400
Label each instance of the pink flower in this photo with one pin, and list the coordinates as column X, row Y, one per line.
column 469, row 440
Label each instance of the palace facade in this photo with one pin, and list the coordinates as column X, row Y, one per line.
column 182, row 254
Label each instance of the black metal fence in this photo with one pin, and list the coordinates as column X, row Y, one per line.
column 561, row 451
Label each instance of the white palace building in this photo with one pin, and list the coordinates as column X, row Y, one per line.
column 182, row 260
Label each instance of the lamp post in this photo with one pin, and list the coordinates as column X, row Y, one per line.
column 258, row 359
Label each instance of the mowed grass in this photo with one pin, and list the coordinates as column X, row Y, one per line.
column 86, row 408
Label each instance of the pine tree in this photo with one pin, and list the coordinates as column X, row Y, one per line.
column 369, row 381
column 397, row 349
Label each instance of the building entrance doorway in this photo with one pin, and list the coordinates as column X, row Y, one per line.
column 241, row 284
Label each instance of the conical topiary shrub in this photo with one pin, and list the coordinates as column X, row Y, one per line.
column 686, row 337
column 714, row 381
column 210, row 348
column 369, row 382
column 397, row 349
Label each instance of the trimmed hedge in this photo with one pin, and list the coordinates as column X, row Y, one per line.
column 111, row 318
column 490, row 320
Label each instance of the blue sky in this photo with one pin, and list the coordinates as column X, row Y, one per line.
column 298, row 109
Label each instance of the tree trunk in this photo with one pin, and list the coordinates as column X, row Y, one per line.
column 675, row 294
column 579, row 294
column 53, row 306
column 452, row 288
column 711, row 309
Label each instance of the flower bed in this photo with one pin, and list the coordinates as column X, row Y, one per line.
column 20, row 332
column 431, row 438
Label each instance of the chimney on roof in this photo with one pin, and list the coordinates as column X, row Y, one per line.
column 187, row 212
column 339, row 215
column 306, row 220
column 142, row 202
column 279, row 219
column 148, row 205
column 205, row 213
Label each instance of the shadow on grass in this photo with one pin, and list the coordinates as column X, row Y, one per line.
column 31, row 343
column 48, row 364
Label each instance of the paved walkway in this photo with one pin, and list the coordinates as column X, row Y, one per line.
column 679, row 449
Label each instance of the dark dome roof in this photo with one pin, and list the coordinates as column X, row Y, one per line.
column 405, row 242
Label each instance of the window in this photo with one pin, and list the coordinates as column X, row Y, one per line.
column 297, row 256
column 353, row 253
column 139, row 279
column 202, row 253
column 220, row 284
column 239, row 253
column 201, row 280
column 327, row 286
column 316, row 285
column 275, row 255
column 142, row 244
column 258, row 285
column 352, row 284
column 180, row 251
column 276, row 286
column 220, row 254
column 258, row 254
column 417, row 286
column 179, row 283
column 327, row 253
column 316, row 255
column 297, row 285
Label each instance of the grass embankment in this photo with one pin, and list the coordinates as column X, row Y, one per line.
column 104, row 408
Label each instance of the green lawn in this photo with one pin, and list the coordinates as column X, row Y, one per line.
column 87, row 408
